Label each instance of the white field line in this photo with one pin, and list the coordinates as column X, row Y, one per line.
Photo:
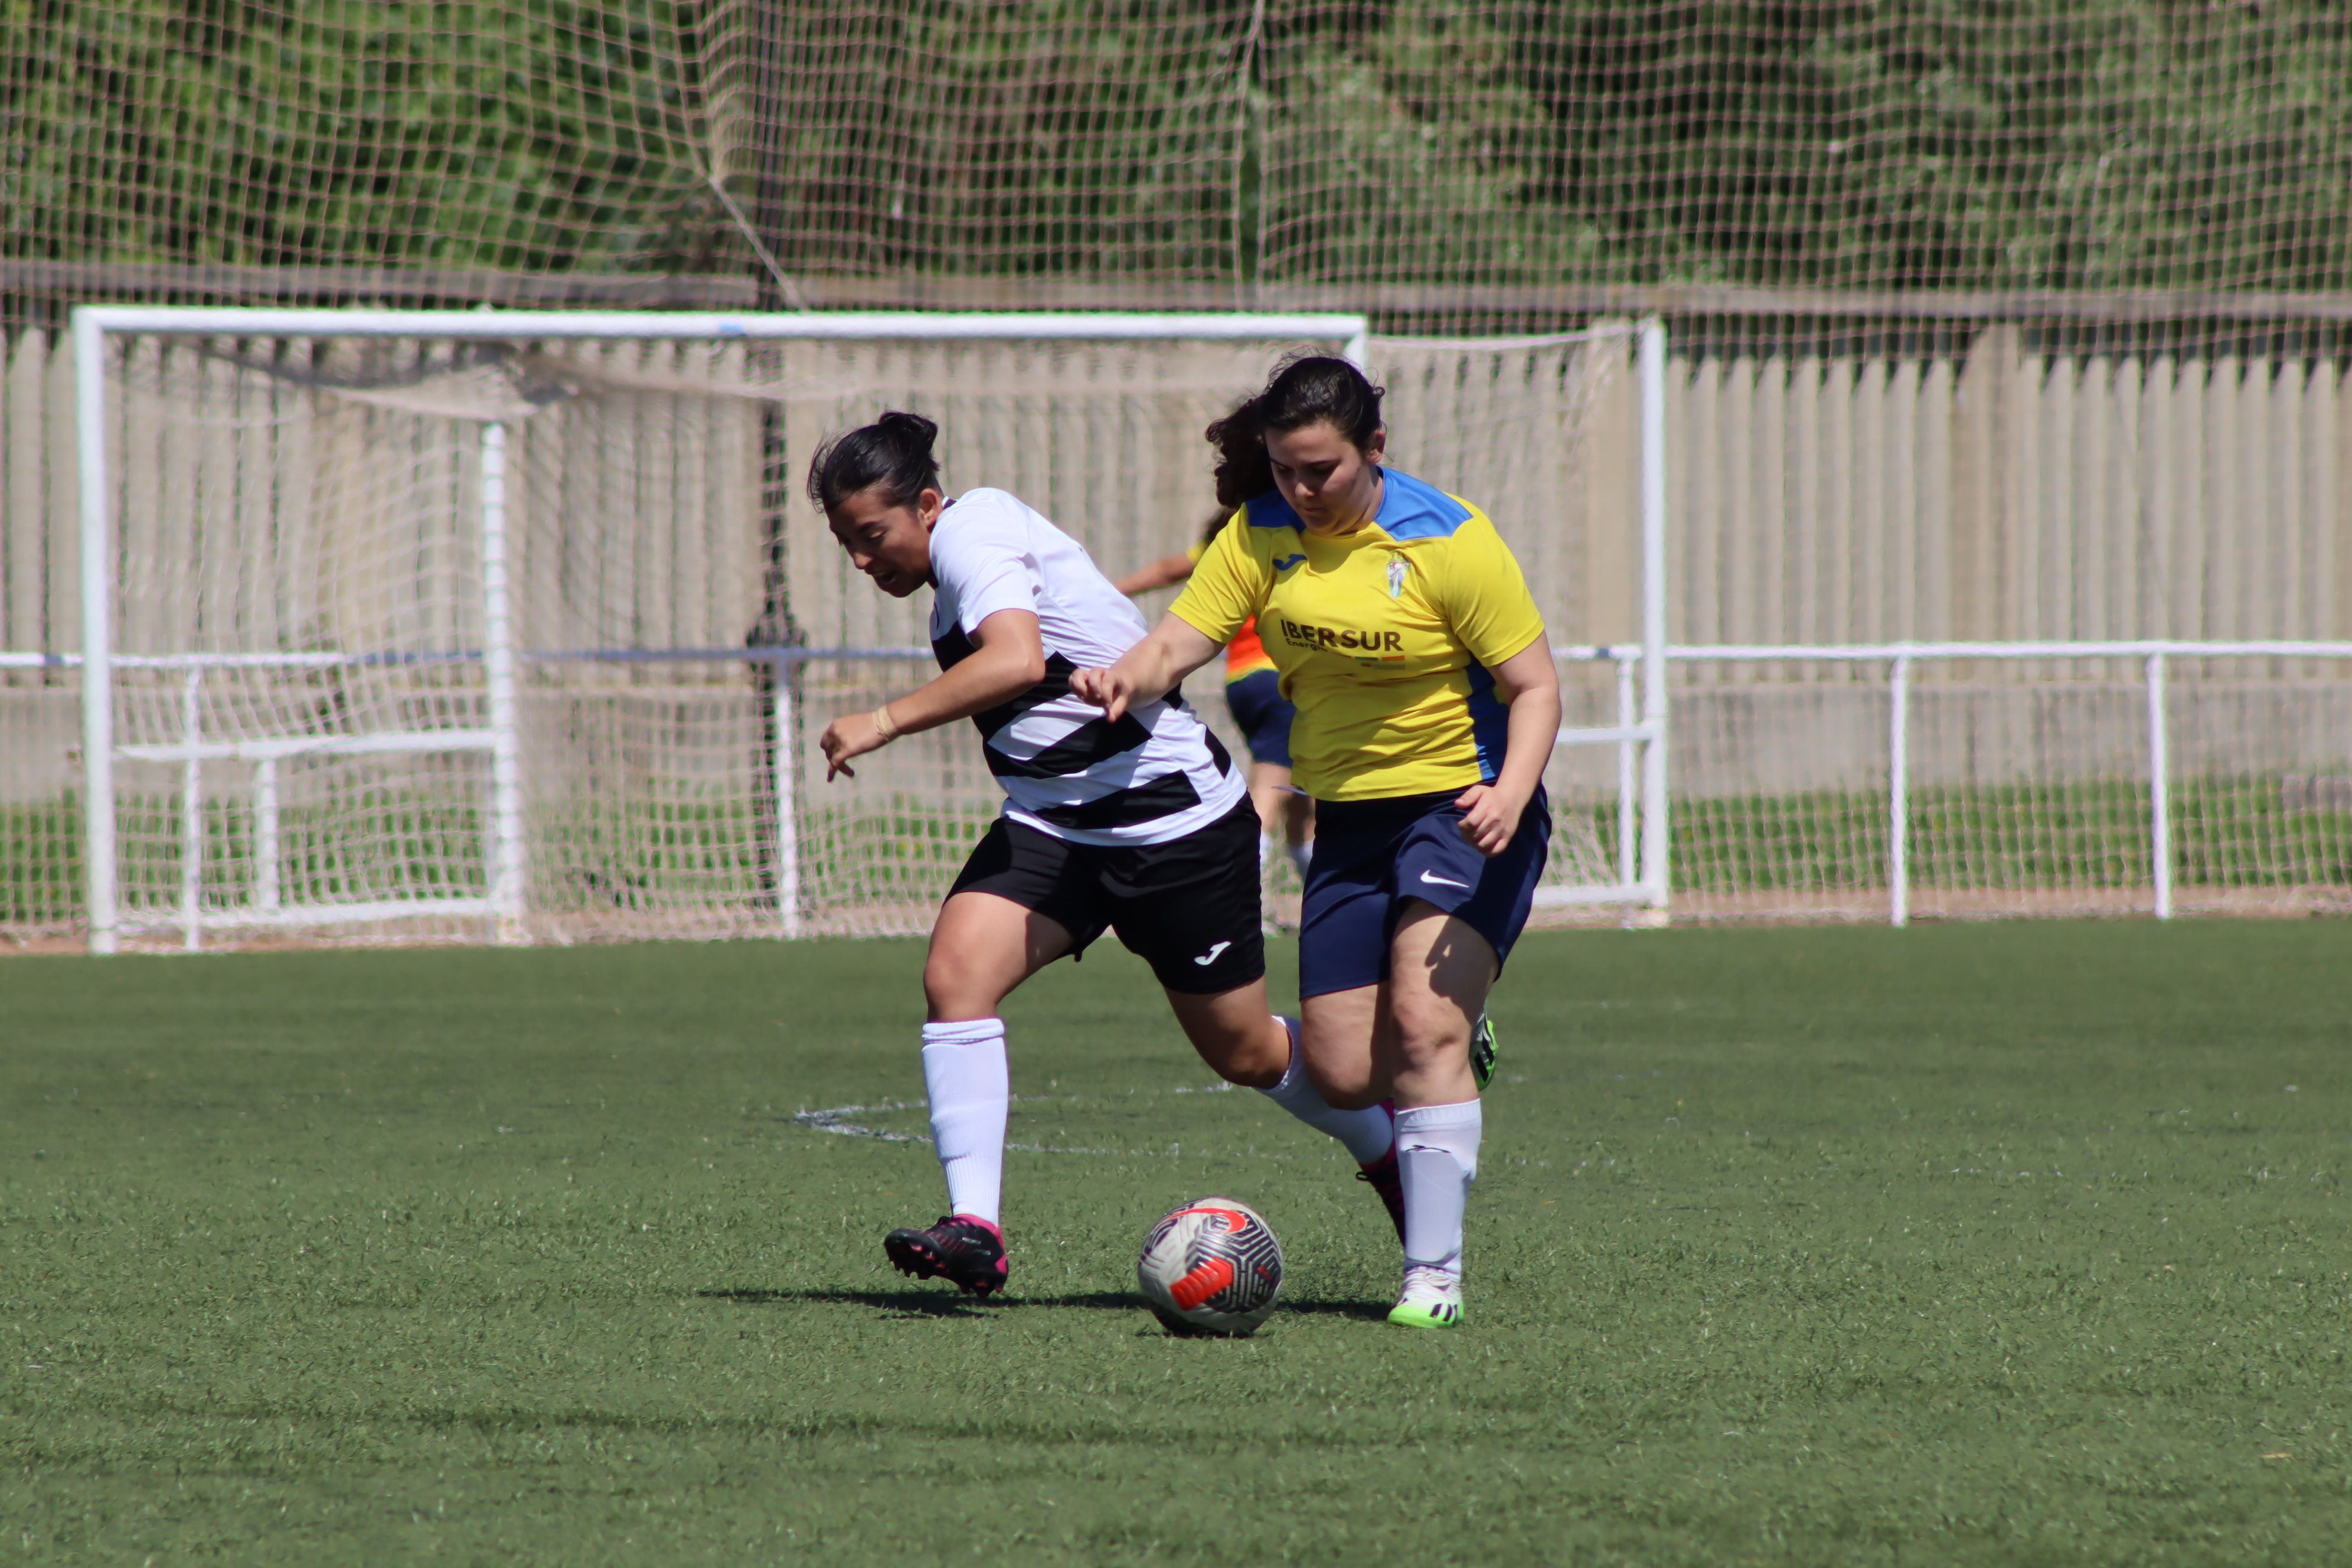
column 836, row 1119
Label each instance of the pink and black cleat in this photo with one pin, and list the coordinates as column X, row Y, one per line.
column 1385, row 1179
column 960, row 1247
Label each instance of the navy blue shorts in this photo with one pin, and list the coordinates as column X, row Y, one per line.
column 1264, row 713
column 1371, row 855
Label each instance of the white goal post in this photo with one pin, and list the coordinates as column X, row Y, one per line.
column 437, row 570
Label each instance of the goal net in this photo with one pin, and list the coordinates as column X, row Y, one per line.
column 533, row 630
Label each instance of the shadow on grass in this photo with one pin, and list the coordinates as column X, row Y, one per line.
column 941, row 1304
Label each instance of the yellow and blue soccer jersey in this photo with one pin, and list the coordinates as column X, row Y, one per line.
column 1246, row 654
column 1385, row 637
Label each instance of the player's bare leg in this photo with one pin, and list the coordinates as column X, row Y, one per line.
column 1440, row 970
column 1297, row 824
column 1409, row 1037
column 1269, row 791
column 1283, row 814
column 982, row 948
column 1438, row 973
column 1239, row 1039
column 1340, row 1026
column 1244, row 1046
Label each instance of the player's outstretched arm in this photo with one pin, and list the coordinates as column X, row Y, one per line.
column 1007, row 659
column 1529, row 682
column 1164, row 573
column 1148, row 670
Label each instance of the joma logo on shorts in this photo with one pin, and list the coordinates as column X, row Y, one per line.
column 1301, row 635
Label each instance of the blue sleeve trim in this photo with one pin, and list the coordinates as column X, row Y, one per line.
column 1270, row 511
column 1490, row 722
column 1410, row 509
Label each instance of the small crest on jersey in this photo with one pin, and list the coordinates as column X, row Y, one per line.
column 1396, row 577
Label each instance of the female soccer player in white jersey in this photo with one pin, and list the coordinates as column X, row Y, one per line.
column 1135, row 822
column 1427, row 708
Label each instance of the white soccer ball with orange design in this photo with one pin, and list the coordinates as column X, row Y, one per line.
column 1211, row 1267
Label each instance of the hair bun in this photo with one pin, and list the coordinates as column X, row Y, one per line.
column 894, row 452
column 914, row 427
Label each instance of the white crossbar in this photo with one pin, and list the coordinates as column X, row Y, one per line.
column 685, row 325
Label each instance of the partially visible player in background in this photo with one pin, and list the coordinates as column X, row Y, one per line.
column 1254, row 696
column 1134, row 823
column 1428, row 706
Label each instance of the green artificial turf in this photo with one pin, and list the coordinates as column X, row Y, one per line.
column 2003, row 1244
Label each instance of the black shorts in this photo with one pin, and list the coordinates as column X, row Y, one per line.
column 1189, row 908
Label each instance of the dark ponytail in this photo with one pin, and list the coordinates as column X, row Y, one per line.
column 894, row 452
column 1306, row 390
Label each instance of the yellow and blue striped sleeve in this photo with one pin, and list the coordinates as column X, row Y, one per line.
column 1227, row 587
column 1485, row 596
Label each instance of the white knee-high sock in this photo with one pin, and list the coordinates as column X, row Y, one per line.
column 1367, row 1132
column 1437, row 1157
column 970, row 1088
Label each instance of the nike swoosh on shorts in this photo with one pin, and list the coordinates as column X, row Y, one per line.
column 1210, row 956
column 1444, row 883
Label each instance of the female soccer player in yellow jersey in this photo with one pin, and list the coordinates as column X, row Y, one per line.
column 1427, row 707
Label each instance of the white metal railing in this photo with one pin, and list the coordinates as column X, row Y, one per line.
column 1901, row 658
column 1641, row 769
column 503, row 845
column 1636, row 737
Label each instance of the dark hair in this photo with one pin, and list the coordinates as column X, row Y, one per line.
column 895, row 452
column 1306, row 389
column 1215, row 524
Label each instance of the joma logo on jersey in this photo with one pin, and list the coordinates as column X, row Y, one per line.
column 1299, row 635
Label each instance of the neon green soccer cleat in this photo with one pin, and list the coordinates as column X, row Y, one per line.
column 1432, row 1298
column 1482, row 1052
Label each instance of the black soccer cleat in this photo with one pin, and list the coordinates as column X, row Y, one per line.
column 960, row 1248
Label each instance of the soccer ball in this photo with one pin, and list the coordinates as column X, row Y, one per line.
column 1211, row 1267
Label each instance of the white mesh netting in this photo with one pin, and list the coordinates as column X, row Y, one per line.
column 302, row 713
column 306, row 516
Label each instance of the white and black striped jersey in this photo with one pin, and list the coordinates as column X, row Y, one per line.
column 1156, row 774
